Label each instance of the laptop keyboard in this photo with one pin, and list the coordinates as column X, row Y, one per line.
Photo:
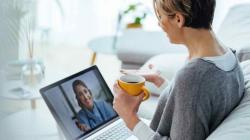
column 118, row 132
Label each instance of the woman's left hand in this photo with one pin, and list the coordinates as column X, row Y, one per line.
column 127, row 106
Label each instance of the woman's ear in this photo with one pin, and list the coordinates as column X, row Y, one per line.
column 180, row 20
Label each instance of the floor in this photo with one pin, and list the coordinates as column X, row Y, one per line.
column 60, row 61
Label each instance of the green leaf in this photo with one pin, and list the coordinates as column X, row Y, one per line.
column 131, row 7
column 137, row 20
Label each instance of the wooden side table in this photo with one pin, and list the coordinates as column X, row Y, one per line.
column 103, row 44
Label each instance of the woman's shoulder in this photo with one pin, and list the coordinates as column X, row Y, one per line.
column 194, row 69
column 81, row 114
column 190, row 78
column 197, row 64
column 199, row 70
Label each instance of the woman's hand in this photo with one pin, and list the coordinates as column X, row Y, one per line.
column 150, row 75
column 127, row 106
column 82, row 127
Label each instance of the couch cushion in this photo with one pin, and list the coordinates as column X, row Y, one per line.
column 244, row 54
column 148, row 107
column 234, row 30
column 237, row 125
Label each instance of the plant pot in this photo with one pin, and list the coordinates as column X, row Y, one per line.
column 133, row 25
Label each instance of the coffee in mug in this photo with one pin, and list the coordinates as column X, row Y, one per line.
column 133, row 85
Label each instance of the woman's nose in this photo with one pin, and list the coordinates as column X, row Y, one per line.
column 85, row 96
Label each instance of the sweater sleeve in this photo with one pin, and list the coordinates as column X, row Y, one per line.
column 143, row 132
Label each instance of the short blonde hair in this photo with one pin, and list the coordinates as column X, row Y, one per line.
column 197, row 13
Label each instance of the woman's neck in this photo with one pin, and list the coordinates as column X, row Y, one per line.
column 88, row 108
column 202, row 43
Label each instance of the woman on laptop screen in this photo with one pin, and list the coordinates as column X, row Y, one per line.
column 92, row 112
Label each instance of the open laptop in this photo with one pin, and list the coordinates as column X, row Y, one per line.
column 74, row 120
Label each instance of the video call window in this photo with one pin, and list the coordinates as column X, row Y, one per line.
column 82, row 103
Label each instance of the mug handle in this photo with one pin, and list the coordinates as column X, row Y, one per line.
column 146, row 93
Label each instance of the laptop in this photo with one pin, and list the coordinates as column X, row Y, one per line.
column 82, row 107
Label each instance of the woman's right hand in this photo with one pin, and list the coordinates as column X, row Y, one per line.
column 150, row 75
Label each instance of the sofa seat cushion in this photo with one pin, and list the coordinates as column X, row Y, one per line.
column 148, row 107
column 237, row 125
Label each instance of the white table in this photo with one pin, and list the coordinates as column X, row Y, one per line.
column 12, row 91
column 29, row 125
column 103, row 44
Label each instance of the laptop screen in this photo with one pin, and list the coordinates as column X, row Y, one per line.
column 81, row 103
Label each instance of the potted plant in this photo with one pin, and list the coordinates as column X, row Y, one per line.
column 136, row 14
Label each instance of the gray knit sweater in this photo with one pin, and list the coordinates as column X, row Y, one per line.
column 197, row 101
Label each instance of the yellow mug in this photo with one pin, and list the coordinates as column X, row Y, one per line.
column 134, row 85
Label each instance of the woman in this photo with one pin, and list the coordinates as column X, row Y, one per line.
column 93, row 113
column 203, row 92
